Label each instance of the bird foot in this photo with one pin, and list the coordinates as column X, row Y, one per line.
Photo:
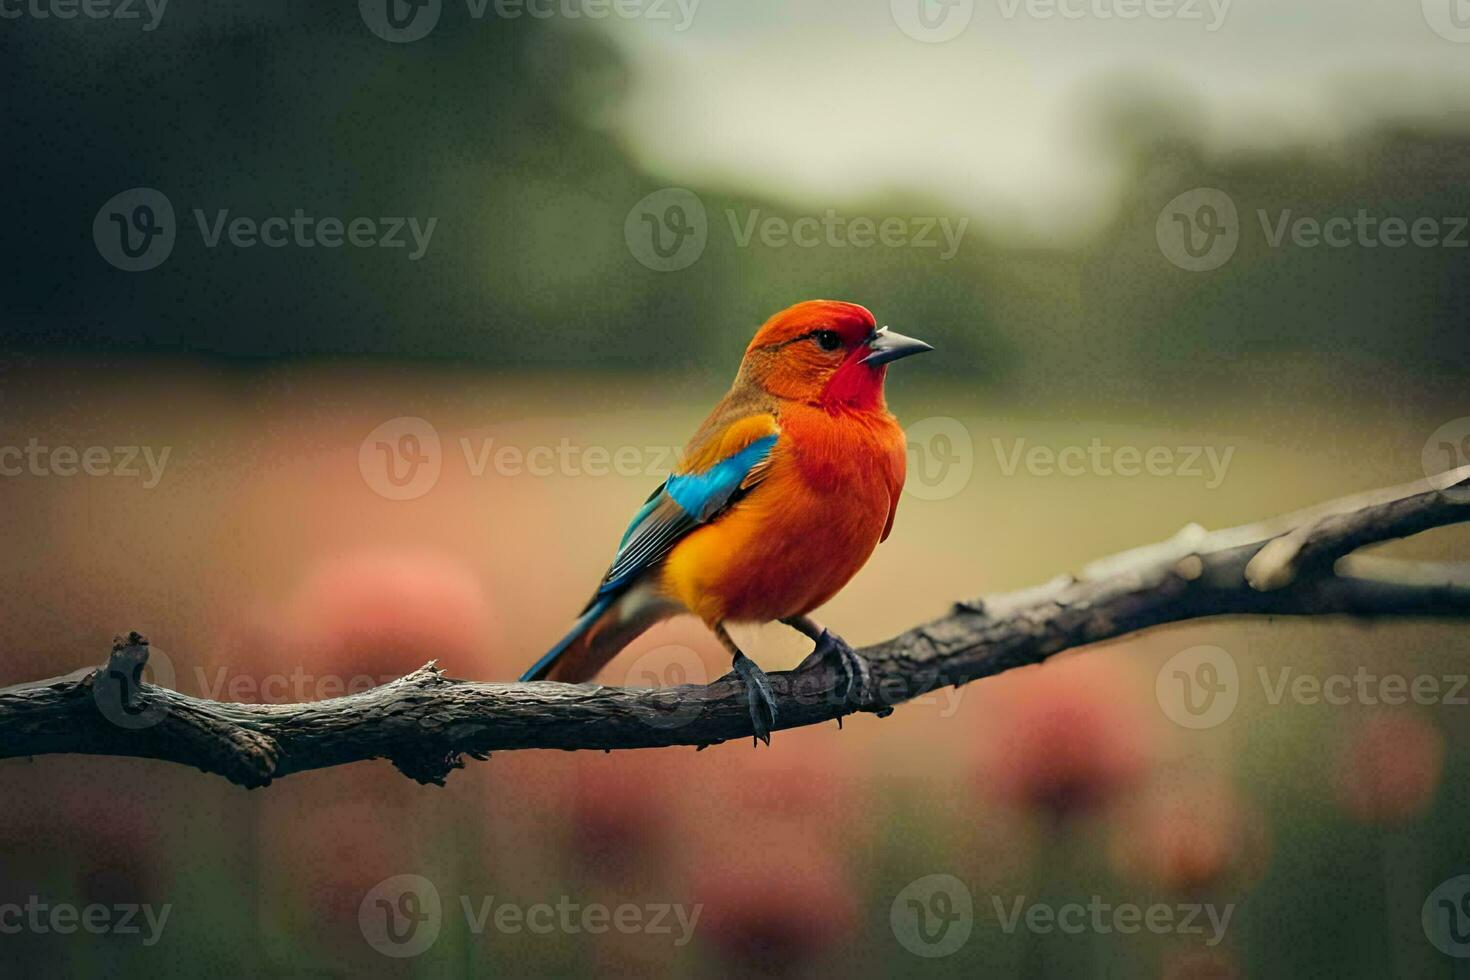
column 830, row 646
column 758, row 691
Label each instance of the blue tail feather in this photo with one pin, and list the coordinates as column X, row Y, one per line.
column 541, row 667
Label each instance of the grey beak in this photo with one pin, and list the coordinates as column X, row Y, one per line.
column 886, row 346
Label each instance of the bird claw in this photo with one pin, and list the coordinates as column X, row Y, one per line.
column 854, row 668
column 758, row 692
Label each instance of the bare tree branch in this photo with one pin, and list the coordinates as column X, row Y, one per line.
column 1298, row 564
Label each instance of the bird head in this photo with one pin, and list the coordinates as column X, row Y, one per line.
column 825, row 352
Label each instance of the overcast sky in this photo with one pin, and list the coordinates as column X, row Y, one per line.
column 828, row 99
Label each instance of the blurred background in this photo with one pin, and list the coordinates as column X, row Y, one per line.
column 342, row 337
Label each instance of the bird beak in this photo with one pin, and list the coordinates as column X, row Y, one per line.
column 884, row 345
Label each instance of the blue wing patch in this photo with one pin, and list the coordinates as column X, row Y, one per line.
column 681, row 504
column 678, row 506
column 703, row 495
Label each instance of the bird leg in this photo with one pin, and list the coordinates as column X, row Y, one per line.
column 757, row 686
column 829, row 645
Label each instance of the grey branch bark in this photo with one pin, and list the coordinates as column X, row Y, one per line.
column 1304, row 563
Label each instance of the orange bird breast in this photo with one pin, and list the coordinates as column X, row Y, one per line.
column 799, row 536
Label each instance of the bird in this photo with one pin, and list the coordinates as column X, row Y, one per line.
column 775, row 504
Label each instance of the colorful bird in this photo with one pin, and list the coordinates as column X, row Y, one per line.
column 777, row 501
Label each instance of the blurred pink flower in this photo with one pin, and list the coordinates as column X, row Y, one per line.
column 774, row 905
column 622, row 807
column 330, row 853
column 1199, row 964
column 1190, row 836
column 92, row 831
column 1389, row 768
column 1063, row 738
column 383, row 614
column 811, row 779
column 766, row 837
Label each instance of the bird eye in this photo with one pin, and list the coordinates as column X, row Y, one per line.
column 827, row 339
